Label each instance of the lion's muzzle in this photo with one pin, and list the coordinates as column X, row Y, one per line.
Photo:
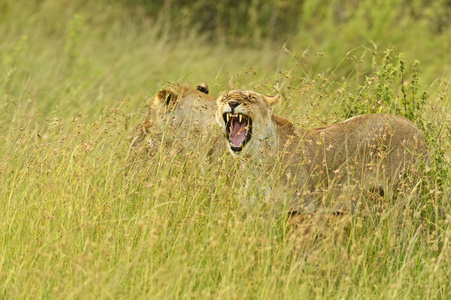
column 238, row 130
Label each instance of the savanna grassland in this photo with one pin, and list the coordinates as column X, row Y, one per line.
column 80, row 218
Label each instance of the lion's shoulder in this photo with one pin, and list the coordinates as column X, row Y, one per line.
column 284, row 126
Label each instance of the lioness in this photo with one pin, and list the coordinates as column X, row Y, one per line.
column 374, row 150
column 178, row 113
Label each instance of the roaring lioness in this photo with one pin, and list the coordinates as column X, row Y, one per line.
column 177, row 114
column 373, row 150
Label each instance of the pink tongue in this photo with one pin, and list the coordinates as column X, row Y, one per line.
column 238, row 134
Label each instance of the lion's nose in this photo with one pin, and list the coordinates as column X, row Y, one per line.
column 233, row 104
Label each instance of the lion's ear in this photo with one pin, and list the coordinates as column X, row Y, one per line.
column 272, row 100
column 166, row 97
column 203, row 87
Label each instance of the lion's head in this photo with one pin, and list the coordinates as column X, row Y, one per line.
column 245, row 118
column 183, row 106
column 183, row 113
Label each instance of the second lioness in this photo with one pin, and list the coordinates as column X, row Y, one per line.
column 372, row 150
column 179, row 115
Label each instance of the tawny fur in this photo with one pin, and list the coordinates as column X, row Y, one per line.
column 373, row 150
column 179, row 113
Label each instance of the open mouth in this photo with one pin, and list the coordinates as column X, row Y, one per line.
column 238, row 130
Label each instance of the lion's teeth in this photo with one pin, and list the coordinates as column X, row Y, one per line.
column 228, row 117
column 231, row 144
column 240, row 118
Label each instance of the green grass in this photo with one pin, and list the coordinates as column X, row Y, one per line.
column 80, row 219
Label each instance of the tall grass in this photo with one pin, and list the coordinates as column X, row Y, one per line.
column 80, row 219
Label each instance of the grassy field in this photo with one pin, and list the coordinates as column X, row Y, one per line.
column 80, row 219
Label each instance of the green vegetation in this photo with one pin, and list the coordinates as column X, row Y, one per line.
column 80, row 219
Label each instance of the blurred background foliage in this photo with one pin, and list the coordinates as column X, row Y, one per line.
column 105, row 49
column 251, row 21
